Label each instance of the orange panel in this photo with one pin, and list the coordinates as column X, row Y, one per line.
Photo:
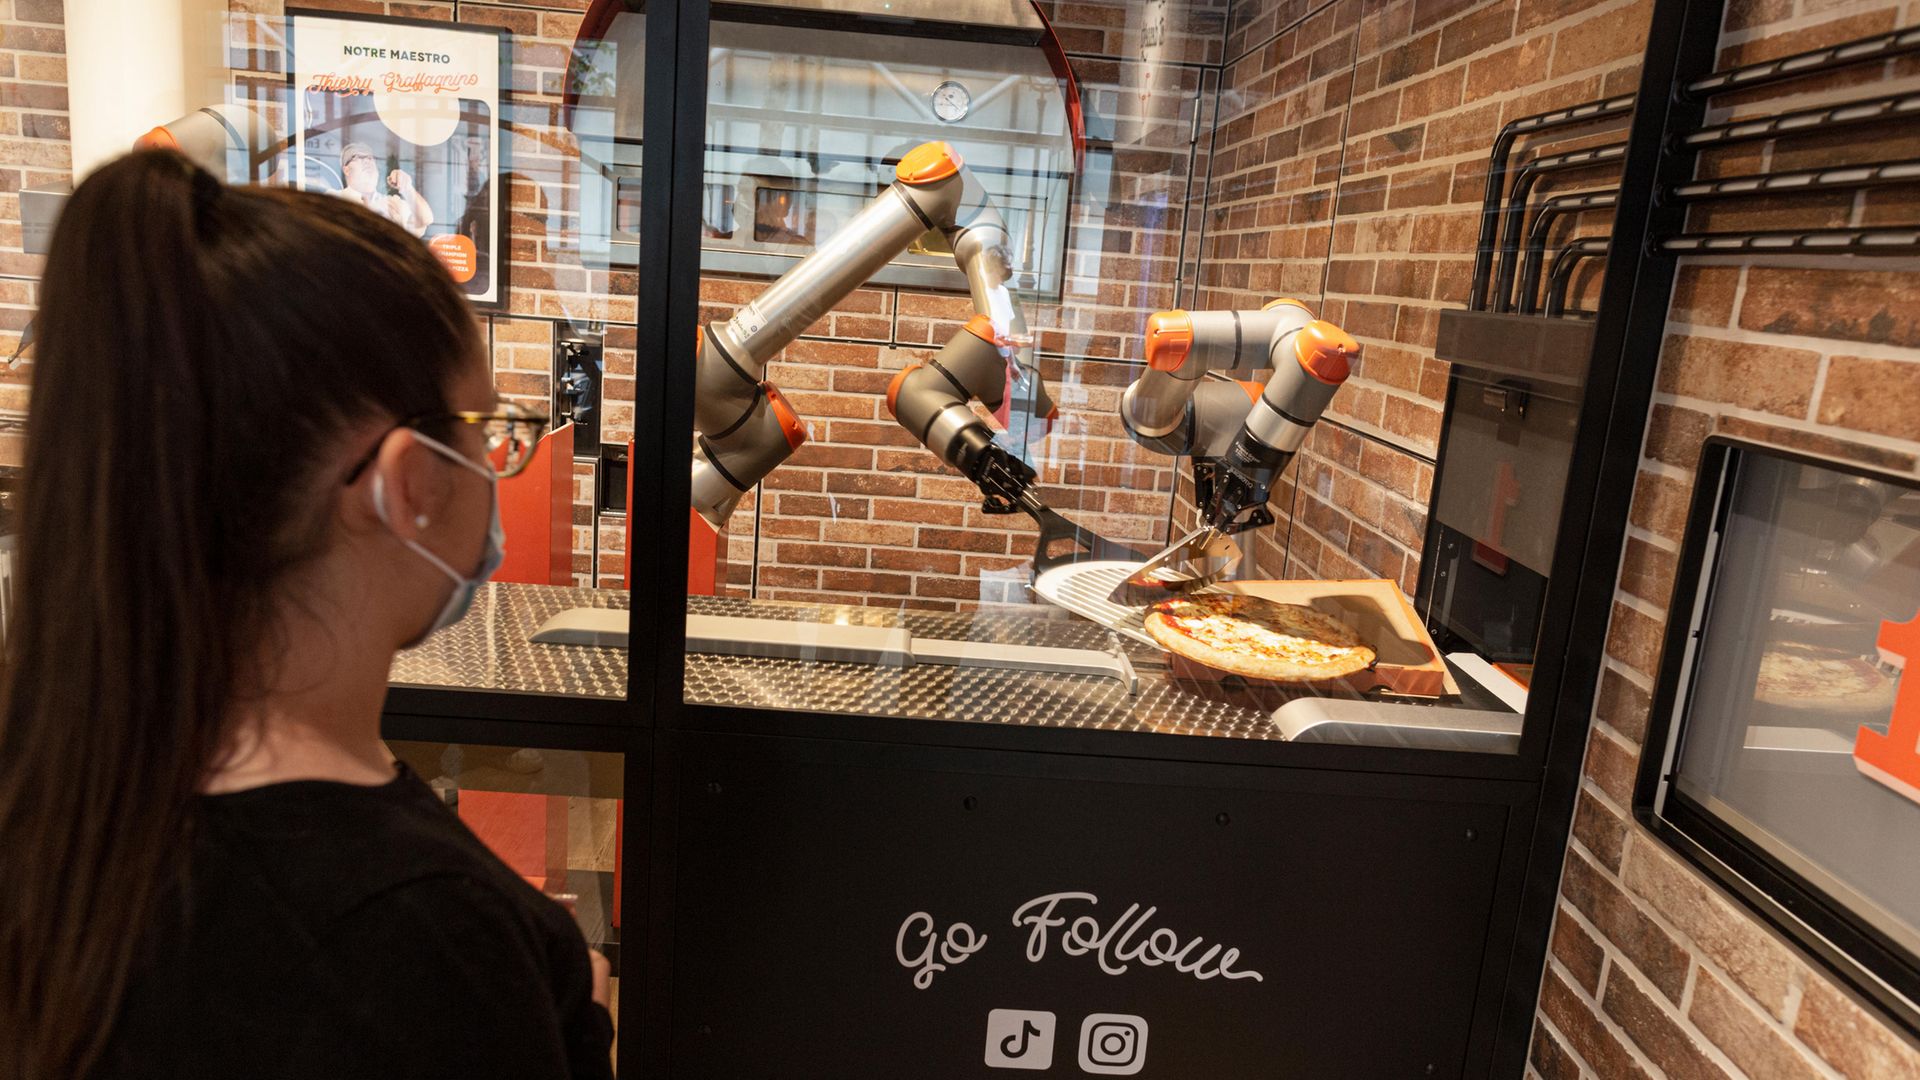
column 626, row 571
column 513, row 826
column 536, row 510
column 703, row 556
column 706, row 551
column 1894, row 758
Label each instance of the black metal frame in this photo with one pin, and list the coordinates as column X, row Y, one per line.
column 1550, row 211
column 1553, row 739
column 1579, row 115
column 1560, row 279
column 1863, row 959
column 1681, row 43
column 1513, row 216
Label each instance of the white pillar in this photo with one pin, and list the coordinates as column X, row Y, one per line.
column 133, row 66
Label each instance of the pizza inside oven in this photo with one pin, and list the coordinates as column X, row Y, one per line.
column 1818, row 678
column 1258, row 638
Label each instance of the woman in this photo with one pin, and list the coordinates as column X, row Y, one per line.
column 209, row 864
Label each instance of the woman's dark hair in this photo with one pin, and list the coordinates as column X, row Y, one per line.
column 202, row 351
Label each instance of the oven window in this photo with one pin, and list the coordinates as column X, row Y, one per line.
column 1812, row 581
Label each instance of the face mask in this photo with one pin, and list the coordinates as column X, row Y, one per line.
column 495, row 552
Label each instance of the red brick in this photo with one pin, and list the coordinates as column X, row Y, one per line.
column 1647, row 572
column 1655, row 1032
column 1720, row 932
column 39, row 39
column 1634, row 639
column 1880, row 396
column 1674, row 435
column 1587, row 1037
column 952, row 588
column 1610, row 765
column 1764, row 377
column 862, row 534
column 1660, row 505
column 1434, row 94
column 1703, row 295
column 1649, row 948
column 1420, row 187
column 789, row 577
column 963, row 540
column 870, row 484
column 1623, row 705
column 1489, row 26
column 1777, row 43
column 1740, row 1032
column 1609, row 35
column 862, row 581
column 1523, row 64
column 1575, row 948
column 1600, row 829
column 1419, row 423
column 1849, row 1038
column 1550, row 1059
column 1877, row 306
column 1746, row 14
column 916, row 561
column 821, row 555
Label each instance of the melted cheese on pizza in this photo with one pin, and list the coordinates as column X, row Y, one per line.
column 1789, row 671
column 1235, row 634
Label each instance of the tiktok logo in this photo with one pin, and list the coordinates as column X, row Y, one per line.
column 1894, row 758
column 1019, row 1039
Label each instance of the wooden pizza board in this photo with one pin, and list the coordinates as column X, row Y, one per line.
column 1377, row 610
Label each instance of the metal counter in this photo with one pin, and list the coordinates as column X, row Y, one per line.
column 490, row 650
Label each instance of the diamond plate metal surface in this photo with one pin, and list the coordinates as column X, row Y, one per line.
column 489, row 650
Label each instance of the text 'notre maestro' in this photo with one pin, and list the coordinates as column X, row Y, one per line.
column 376, row 52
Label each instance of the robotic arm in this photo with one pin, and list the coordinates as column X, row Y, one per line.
column 747, row 429
column 1240, row 434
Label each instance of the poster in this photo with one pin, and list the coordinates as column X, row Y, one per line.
column 403, row 117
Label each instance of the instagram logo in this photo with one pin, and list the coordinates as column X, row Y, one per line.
column 1113, row 1043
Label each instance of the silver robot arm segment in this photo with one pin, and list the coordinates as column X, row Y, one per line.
column 747, row 430
column 979, row 241
column 1240, row 434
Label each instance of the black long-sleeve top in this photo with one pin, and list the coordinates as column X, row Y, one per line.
column 342, row 931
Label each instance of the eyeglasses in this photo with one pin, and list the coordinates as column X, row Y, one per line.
column 357, row 157
column 508, row 437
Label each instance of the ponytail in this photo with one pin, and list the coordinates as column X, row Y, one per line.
column 180, row 399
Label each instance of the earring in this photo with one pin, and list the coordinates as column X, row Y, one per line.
column 420, row 521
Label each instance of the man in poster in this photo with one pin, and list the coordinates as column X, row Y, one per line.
column 404, row 117
column 404, row 206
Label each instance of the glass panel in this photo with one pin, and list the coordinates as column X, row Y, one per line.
column 451, row 120
column 927, row 419
column 1815, row 585
column 554, row 816
column 491, row 182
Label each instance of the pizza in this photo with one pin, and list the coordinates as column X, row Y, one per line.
column 1797, row 676
column 1258, row 638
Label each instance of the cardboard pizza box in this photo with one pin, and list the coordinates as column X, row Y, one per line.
column 1409, row 665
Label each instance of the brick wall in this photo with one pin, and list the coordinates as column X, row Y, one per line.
column 33, row 151
column 1349, row 166
column 1652, row 971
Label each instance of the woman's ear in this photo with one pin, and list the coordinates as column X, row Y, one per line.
column 401, row 490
